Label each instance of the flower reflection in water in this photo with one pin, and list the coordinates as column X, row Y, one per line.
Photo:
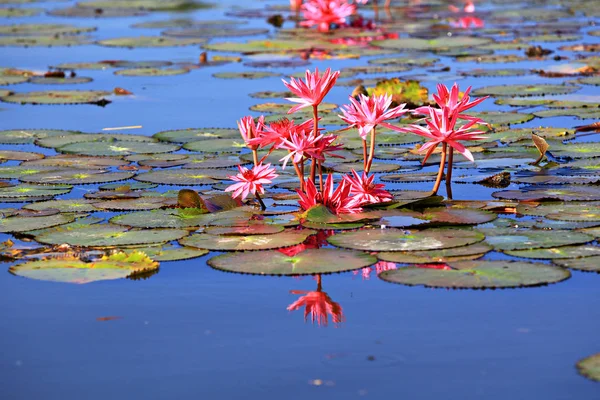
column 318, row 305
column 377, row 268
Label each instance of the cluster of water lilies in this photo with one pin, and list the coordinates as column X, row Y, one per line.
column 308, row 144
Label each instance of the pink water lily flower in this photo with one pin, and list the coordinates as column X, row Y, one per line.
column 250, row 129
column 338, row 201
column 299, row 146
column 441, row 128
column 364, row 191
column 369, row 111
column 278, row 131
column 251, row 180
column 312, row 89
column 323, row 13
column 445, row 98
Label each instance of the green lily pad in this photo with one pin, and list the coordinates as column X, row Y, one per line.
column 42, row 80
column 269, row 46
column 251, row 229
column 76, row 177
column 24, row 224
column 271, row 95
column 44, row 41
column 551, row 192
column 308, row 262
column 74, row 270
column 12, row 80
column 27, row 191
column 523, row 90
column 187, row 23
column 470, row 252
column 491, row 58
column 64, row 161
column 18, row 171
column 168, row 252
column 87, row 12
column 19, row 155
column 151, row 5
column 24, row 136
column 194, row 134
column 171, row 218
column 590, row 367
column 510, row 239
column 481, row 72
column 440, row 43
column 116, row 148
column 59, row 97
column 586, row 264
column 64, row 206
column 60, row 141
column 19, row 12
column 242, row 243
column 557, row 252
column 152, row 71
column 399, row 240
column 182, row 177
column 417, row 61
column 149, row 41
column 590, row 80
column 44, row 29
column 518, row 134
column 236, row 145
column 479, row 275
column 246, row 75
column 105, row 235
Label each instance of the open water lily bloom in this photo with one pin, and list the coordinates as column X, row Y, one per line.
column 338, row 201
column 250, row 129
column 441, row 128
column 369, row 111
column 445, row 98
column 323, row 13
column 251, row 180
column 312, row 90
column 364, row 191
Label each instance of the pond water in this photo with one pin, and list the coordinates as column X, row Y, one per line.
column 192, row 331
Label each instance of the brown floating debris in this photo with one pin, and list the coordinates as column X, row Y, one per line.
column 122, row 92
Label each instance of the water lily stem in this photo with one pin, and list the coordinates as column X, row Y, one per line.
column 320, row 177
column 255, row 156
column 300, row 176
column 313, row 166
column 441, row 171
column 365, row 154
column 262, row 203
column 449, row 167
column 371, row 152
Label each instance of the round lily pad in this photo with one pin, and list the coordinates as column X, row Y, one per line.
column 419, row 61
column 172, row 218
column 13, row 12
column 105, row 235
column 557, row 252
column 268, row 46
column 551, row 192
column 116, row 148
column 146, row 203
column 236, row 145
column 74, row 270
column 19, row 155
column 76, row 177
column 65, row 206
column 18, row 171
column 251, row 229
column 24, row 224
column 150, row 41
column 60, row 141
column 502, row 118
column 63, row 161
column 479, row 275
column 130, row 185
column 481, row 72
column 59, row 97
column 83, row 65
column 152, row 71
column 308, row 262
column 43, row 29
column 44, row 41
column 213, row 32
column 440, row 43
column 590, row 367
column 41, row 80
column 590, row 80
column 491, row 58
column 26, row 191
column 524, row 90
column 12, row 80
column 586, row 264
column 470, row 252
column 151, row 5
column 194, row 134
column 187, row 23
column 183, row 177
column 399, row 240
column 88, row 12
column 250, row 242
column 246, row 75
column 508, row 239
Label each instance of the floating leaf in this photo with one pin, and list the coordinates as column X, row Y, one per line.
column 24, row 224
column 479, row 275
column 64, row 206
column 470, row 252
column 150, row 41
column 193, row 218
column 430, row 44
column 399, row 240
column 307, row 262
column 252, row 242
column 145, row 72
column 557, row 252
column 182, row 177
column 587, row 264
column 509, row 239
column 59, row 97
column 523, row 90
column 590, row 367
column 75, row 177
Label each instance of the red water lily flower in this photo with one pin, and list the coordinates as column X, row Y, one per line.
column 364, row 191
column 251, row 180
column 338, row 201
column 369, row 111
column 441, row 128
column 323, row 13
column 312, row 90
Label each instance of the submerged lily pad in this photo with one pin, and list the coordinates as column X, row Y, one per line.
column 311, row 261
column 59, row 97
column 479, row 275
column 252, row 242
column 74, row 270
column 104, row 235
column 399, row 240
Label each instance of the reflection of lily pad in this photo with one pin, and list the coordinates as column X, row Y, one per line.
column 479, row 275
column 74, row 270
column 252, row 242
column 311, row 261
column 59, row 97
column 399, row 240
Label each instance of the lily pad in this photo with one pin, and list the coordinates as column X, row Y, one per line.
column 44, row 41
column 172, row 218
column 59, row 97
column 308, row 262
column 87, row 12
column 182, row 177
column 557, row 252
column 116, row 148
column 64, row 206
column 24, row 224
column 193, row 134
column 105, row 235
column 76, row 177
column 242, row 243
column 551, row 192
column 42, row 80
column 479, row 275
column 586, row 264
column 150, row 41
column 246, row 75
column 510, row 239
column 74, row 270
column 590, row 367
column 44, row 29
column 399, row 240
column 470, row 252
column 440, row 43
column 152, row 72
column 524, row 90
column 26, row 191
